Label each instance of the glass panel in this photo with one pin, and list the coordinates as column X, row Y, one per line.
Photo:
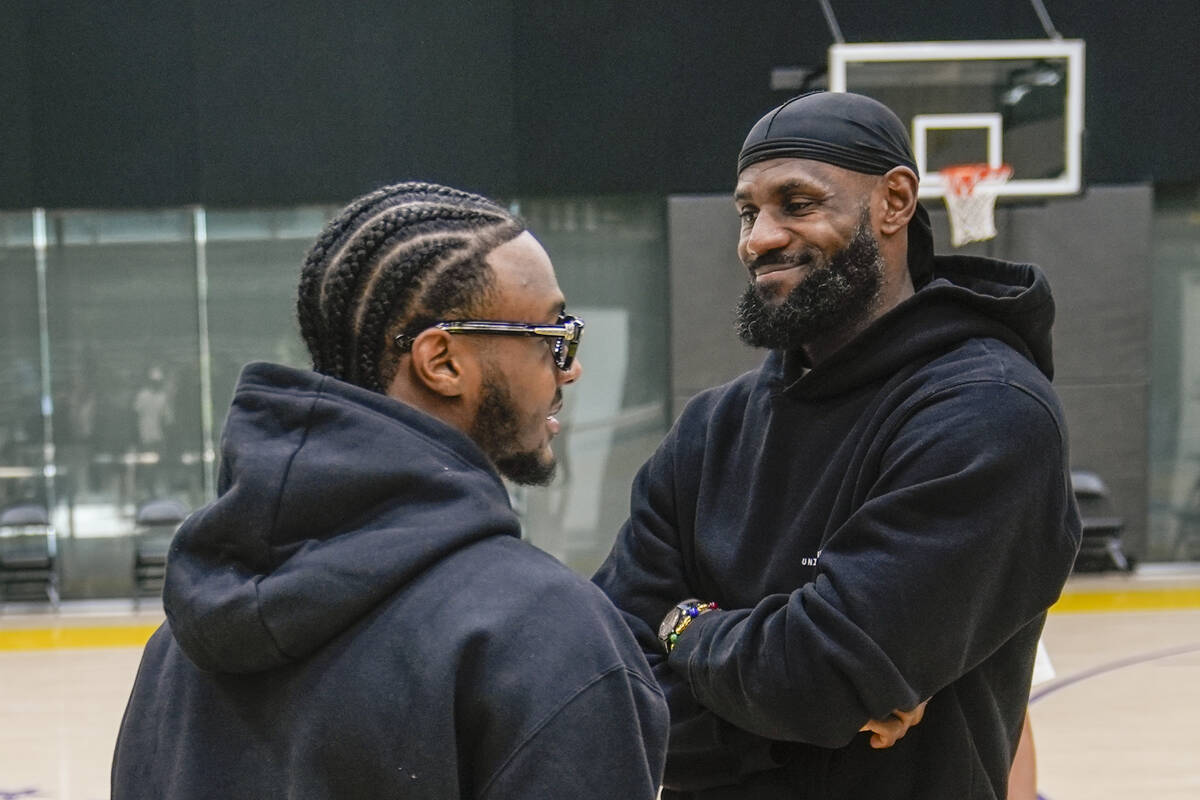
column 21, row 422
column 1175, row 378
column 125, row 354
column 254, row 259
column 123, row 347
column 610, row 255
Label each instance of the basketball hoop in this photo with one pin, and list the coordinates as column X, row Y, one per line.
column 970, row 194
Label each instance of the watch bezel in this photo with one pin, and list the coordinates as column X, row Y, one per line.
column 671, row 619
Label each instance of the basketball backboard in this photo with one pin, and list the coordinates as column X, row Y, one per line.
column 996, row 102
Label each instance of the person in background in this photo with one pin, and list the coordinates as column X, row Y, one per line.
column 877, row 516
column 355, row 615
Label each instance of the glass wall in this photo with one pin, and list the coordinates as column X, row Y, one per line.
column 1175, row 377
column 22, row 423
column 124, row 332
column 253, row 263
column 611, row 258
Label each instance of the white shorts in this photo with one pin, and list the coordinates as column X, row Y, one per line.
column 1043, row 670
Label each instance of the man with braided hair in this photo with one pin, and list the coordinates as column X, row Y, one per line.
column 355, row 615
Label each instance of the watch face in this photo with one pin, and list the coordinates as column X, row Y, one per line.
column 672, row 619
column 669, row 622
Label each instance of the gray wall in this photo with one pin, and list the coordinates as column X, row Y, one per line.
column 706, row 279
column 1095, row 250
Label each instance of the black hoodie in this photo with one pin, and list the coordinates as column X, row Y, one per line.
column 355, row 616
column 886, row 527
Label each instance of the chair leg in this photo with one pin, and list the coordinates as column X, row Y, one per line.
column 1117, row 556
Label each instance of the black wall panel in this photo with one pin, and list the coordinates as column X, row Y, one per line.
column 142, row 103
column 628, row 95
column 16, row 130
column 271, row 101
column 325, row 100
column 111, row 104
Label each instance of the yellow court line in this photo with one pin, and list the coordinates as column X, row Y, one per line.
column 136, row 635
column 64, row 638
column 1128, row 600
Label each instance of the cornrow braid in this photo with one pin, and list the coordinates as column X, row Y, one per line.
column 403, row 255
column 395, row 289
column 335, row 237
column 349, row 273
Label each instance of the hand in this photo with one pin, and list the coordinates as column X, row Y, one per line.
column 887, row 732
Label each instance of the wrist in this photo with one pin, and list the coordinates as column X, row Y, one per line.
column 679, row 618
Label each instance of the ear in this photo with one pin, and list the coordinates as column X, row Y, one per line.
column 438, row 363
column 899, row 186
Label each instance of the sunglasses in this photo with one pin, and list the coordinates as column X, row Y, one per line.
column 564, row 334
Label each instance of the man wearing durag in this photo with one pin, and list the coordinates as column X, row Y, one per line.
column 879, row 515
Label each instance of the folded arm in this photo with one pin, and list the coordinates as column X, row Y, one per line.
column 964, row 537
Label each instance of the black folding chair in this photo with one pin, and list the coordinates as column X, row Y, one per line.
column 1100, row 548
column 28, row 554
column 154, row 527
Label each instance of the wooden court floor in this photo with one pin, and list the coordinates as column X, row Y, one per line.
column 1117, row 721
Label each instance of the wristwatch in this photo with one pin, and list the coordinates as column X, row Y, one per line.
column 678, row 618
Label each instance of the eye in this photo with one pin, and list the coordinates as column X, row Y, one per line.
column 747, row 216
column 798, row 206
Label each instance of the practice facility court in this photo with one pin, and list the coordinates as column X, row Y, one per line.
column 1117, row 722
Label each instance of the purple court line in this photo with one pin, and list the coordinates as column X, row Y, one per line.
column 1054, row 686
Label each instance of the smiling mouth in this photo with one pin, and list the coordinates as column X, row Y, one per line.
column 764, row 274
column 759, row 270
column 767, row 270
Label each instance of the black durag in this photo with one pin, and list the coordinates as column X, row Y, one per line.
column 849, row 131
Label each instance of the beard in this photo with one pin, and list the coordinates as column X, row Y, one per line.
column 835, row 297
column 496, row 430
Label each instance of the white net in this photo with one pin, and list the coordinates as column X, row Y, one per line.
column 971, row 200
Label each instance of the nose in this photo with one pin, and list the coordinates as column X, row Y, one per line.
column 571, row 373
column 765, row 235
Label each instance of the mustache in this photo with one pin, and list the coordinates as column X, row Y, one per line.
column 780, row 258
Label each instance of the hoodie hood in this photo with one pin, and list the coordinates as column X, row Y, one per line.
column 330, row 499
column 969, row 297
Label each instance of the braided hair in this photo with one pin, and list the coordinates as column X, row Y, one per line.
column 396, row 260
